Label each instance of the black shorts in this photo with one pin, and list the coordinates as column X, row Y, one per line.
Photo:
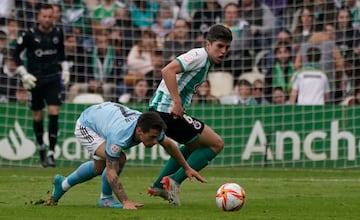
column 183, row 130
column 49, row 93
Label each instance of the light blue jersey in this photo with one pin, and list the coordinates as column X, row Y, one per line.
column 114, row 122
column 195, row 65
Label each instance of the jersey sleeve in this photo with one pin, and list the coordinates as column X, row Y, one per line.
column 113, row 151
column 61, row 49
column 193, row 59
column 21, row 44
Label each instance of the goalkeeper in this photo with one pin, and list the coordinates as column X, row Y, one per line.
column 44, row 50
column 106, row 130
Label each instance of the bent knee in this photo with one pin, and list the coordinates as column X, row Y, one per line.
column 218, row 145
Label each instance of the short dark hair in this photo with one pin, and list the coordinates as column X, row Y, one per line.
column 243, row 82
column 313, row 54
column 151, row 120
column 219, row 32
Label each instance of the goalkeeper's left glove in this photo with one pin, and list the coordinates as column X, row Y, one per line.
column 65, row 73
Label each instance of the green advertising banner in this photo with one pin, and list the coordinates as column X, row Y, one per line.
column 273, row 136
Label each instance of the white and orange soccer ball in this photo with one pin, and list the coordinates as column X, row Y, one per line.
column 230, row 197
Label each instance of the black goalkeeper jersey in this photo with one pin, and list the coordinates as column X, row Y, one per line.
column 43, row 52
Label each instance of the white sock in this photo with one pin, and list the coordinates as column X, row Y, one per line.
column 102, row 196
column 50, row 153
column 65, row 185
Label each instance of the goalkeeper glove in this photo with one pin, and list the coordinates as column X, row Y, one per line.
column 65, row 73
column 27, row 79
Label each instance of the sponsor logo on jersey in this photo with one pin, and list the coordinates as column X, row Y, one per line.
column 189, row 58
column 41, row 52
column 55, row 40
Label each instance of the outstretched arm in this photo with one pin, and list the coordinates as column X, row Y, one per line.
column 112, row 167
column 174, row 152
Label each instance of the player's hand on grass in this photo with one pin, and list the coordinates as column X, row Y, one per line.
column 27, row 79
column 190, row 173
column 131, row 205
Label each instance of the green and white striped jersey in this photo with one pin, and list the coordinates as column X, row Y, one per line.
column 195, row 66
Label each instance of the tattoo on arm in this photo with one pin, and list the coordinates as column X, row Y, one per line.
column 114, row 182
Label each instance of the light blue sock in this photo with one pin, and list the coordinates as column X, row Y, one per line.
column 82, row 174
column 106, row 190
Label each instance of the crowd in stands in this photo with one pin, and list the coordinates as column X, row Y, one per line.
column 118, row 47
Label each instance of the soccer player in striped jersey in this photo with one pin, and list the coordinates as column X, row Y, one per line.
column 106, row 130
column 181, row 77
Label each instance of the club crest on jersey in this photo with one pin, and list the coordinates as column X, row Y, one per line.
column 114, row 149
column 55, row 40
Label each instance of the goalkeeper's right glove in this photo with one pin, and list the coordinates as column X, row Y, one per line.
column 27, row 79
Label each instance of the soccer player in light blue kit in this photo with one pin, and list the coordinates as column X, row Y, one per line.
column 106, row 130
column 181, row 77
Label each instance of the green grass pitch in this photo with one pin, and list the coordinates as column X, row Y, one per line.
column 271, row 194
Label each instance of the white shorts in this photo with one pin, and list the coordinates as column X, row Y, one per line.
column 89, row 139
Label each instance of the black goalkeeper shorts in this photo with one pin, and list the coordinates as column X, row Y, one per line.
column 49, row 93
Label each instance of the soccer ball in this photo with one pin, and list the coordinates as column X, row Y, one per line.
column 230, row 197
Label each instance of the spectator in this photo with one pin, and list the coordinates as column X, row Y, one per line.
column 26, row 13
column 284, row 36
column 278, row 96
column 154, row 77
column 305, row 26
column 75, row 18
column 139, row 57
column 143, row 13
column 258, row 92
column 102, row 66
column 120, row 61
column 101, row 70
column 128, row 32
column 104, row 15
column 188, row 8
column 243, row 94
column 205, row 17
column 57, row 14
column 10, row 86
column 283, row 68
column 203, row 94
column 278, row 9
column 179, row 41
column 355, row 100
column 261, row 21
column 75, row 54
column 310, row 84
column 13, row 32
column 3, row 47
column 354, row 7
column 163, row 26
column 7, row 10
column 346, row 37
column 140, row 93
column 331, row 62
column 324, row 13
column 238, row 59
